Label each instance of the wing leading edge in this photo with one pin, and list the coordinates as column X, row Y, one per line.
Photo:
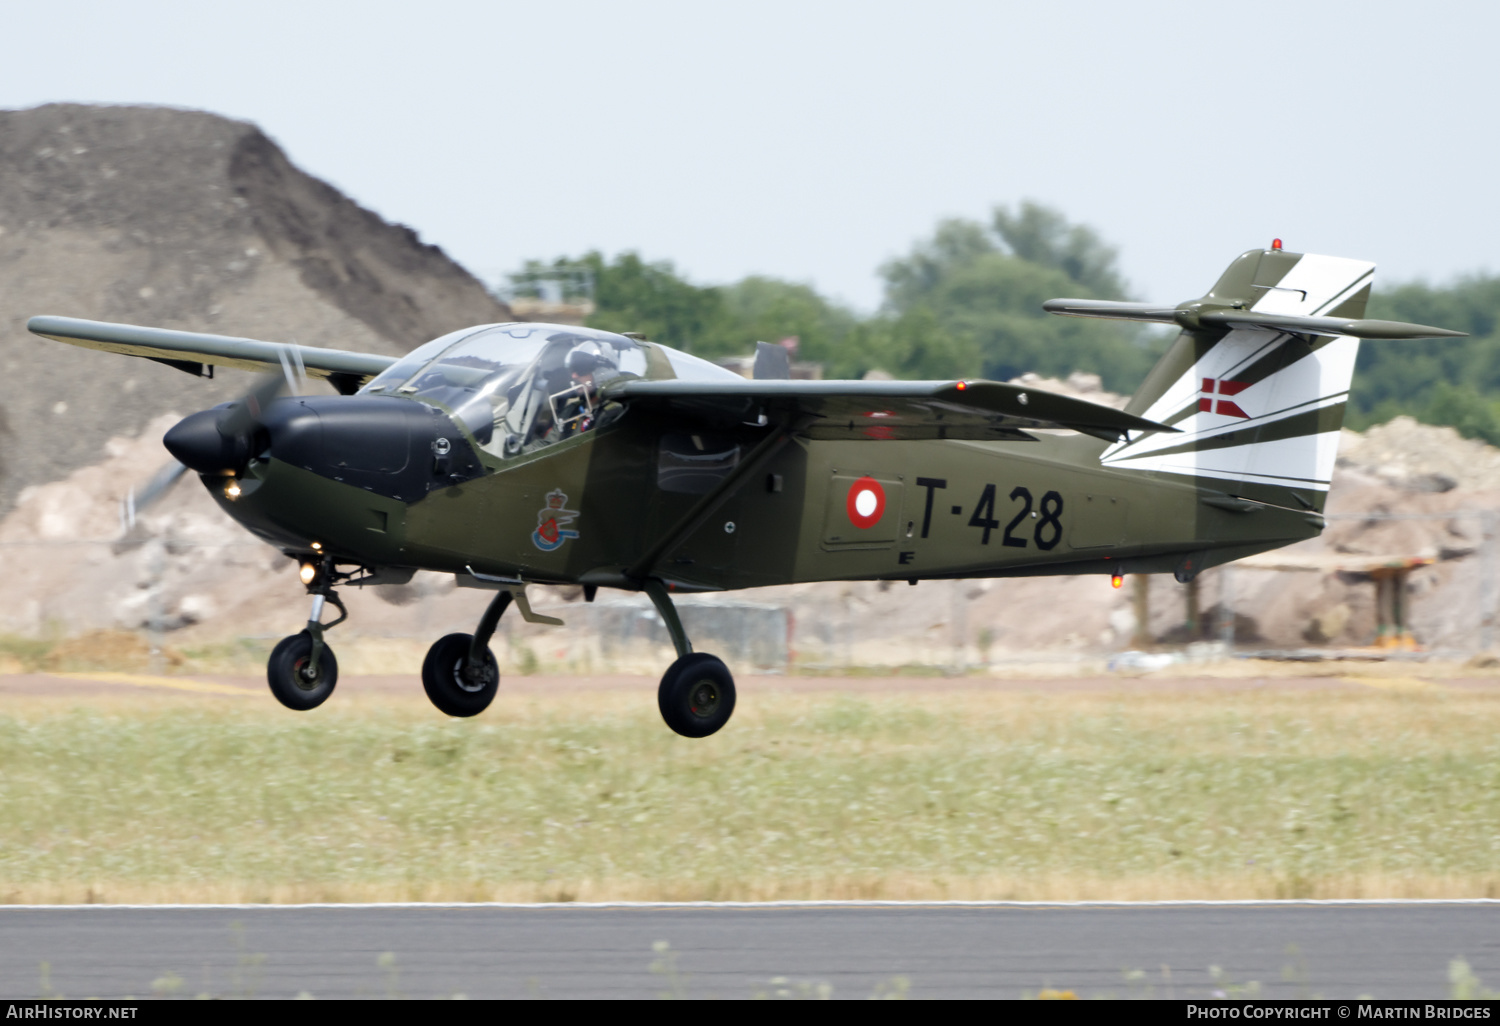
column 191, row 350
column 969, row 410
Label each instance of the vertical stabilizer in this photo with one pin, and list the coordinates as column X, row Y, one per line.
column 1259, row 408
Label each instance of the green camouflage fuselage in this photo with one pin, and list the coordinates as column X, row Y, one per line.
column 950, row 508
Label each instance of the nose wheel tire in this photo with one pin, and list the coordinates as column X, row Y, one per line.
column 696, row 696
column 453, row 688
column 295, row 682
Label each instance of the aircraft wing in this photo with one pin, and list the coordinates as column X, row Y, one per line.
column 192, row 351
column 972, row 410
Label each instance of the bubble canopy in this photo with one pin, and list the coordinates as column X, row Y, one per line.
column 516, row 387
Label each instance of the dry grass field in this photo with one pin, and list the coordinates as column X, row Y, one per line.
column 922, row 792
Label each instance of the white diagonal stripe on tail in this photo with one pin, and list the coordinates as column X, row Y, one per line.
column 1323, row 280
column 1276, row 462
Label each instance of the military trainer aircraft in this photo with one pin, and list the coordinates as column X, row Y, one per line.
column 513, row 454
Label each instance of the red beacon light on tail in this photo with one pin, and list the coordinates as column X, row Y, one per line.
column 1276, row 244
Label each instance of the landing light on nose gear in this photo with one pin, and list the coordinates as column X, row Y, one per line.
column 302, row 670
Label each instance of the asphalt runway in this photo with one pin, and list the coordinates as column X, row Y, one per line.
column 1342, row 949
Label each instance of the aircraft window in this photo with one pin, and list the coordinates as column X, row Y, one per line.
column 694, row 464
column 402, row 370
column 518, row 387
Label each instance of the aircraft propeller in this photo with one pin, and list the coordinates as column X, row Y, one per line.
column 216, row 441
column 137, row 502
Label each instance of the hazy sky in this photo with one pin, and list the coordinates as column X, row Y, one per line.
column 814, row 140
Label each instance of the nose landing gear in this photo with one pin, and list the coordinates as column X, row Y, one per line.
column 302, row 670
column 696, row 695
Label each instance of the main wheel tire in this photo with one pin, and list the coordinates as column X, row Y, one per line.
column 696, row 696
column 294, row 681
column 444, row 680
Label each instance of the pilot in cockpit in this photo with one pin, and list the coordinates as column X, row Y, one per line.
column 575, row 407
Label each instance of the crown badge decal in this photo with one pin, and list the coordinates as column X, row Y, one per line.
column 551, row 522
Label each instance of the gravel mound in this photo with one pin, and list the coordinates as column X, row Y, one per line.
column 182, row 219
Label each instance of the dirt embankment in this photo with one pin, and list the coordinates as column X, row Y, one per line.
column 182, row 219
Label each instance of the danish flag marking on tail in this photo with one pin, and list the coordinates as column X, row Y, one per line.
column 1223, row 386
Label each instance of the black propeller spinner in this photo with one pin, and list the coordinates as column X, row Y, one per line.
column 222, row 440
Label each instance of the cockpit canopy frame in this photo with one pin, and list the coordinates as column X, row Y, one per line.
column 516, row 387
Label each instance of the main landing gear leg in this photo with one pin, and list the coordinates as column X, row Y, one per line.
column 696, row 696
column 460, row 673
column 302, row 670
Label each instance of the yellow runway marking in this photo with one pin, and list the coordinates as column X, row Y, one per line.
column 1396, row 683
column 142, row 680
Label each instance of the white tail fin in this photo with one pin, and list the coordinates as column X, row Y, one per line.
column 1259, row 409
column 1258, row 380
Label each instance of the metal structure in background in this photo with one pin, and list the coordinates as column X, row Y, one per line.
column 756, row 634
column 1390, row 580
column 561, row 294
column 564, row 283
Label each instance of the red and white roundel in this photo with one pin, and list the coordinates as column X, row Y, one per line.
column 866, row 503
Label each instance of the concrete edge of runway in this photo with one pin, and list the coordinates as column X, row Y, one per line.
column 754, row 905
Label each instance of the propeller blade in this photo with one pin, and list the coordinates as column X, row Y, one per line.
column 245, row 415
column 137, row 502
column 293, row 368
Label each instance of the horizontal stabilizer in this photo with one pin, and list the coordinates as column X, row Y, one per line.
column 184, row 349
column 1353, row 327
column 1194, row 315
column 1112, row 310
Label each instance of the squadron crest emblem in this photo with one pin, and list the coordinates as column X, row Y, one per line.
column 551, row 522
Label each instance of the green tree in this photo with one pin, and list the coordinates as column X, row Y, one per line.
column 1041, row 235
column 630, row 294
column 912, row 345
column 1440, row 381
column 759, row 309
column 965, row 303
column 982, row 290
column 911, row 280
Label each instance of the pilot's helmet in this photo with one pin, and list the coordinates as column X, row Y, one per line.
column 586, row 359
